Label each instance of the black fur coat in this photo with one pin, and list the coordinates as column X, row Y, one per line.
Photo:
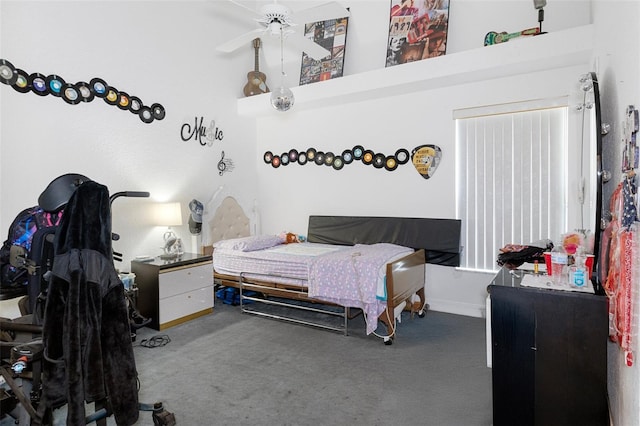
column 87, row 340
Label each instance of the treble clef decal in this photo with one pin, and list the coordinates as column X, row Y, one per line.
column 222, row 167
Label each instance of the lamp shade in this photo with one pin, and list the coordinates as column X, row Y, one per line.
column 167, row 214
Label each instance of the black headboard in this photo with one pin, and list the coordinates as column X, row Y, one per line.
column 440, row 238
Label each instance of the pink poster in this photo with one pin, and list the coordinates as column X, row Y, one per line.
column 417, row 30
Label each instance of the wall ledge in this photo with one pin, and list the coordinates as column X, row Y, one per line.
column 561, row 49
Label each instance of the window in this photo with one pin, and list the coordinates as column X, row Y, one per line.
column 511, row 179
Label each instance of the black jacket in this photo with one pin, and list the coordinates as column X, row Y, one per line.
column 87, row 340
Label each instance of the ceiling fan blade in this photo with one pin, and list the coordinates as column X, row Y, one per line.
column 309, row 47
column 241, row 10
column 240, row 41
column 324, row 12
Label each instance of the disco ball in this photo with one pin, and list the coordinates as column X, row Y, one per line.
column 282, row 99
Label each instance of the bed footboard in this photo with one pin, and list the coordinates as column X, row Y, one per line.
column 405, row 277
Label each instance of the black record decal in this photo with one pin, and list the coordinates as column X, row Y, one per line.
column 378, row 161
column 284, row 158
column 135, row 104
column 98, row 87
column 391, row 163
column 358, row 152
column 311, row 154
column 267, row 157
column 145, row 114
column 123, row 101
column 338, row 163
column 86, row 94
column 319, row 158
column 328, row 158
column 22, row 81
column 367, row 157
column 7, row 72
column 293, row 155
column 302, row 158
column 70, row 94
column 55, row 83
column 38, row 83
column 275, row 162
column 347, row 156
column 158, row 111
column 402, row 156
column 111, row 95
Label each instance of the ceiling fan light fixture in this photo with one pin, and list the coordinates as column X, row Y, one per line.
column 275, row 28
column 275, row 13
column 282, row 99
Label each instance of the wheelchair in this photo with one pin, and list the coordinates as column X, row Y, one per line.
column 23, row 367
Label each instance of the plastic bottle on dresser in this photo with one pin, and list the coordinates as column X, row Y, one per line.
column 559, row 266
column 578, row 272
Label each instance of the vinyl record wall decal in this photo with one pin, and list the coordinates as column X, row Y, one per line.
column 8, row 73
column 356, row 154
column 22, row 82
column 73, row 94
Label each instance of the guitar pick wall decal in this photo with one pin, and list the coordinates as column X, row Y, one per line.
column 425, row 159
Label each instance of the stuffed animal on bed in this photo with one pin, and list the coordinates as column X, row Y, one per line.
column 290, row 237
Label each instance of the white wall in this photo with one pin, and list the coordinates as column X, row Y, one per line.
column 619, row 65
column 404, row 121
column 159, row 51
column 386, row 125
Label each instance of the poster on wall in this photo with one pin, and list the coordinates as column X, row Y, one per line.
column 417, row 30
column 332, row 35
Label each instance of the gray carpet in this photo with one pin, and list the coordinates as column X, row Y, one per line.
column 230, row 368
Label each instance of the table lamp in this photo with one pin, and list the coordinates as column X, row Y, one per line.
column 168, row 214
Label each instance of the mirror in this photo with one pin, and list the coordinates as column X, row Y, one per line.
column 599, row 181
column 591, row 147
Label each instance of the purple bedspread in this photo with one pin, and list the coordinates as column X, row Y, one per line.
column 350, row 277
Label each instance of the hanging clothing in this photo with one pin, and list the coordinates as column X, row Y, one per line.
column 87, row 340
column 629, row 209
column 621, row 283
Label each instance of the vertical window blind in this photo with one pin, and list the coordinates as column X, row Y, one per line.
column 511, row 179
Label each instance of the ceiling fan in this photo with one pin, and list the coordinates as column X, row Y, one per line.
column 278, row 20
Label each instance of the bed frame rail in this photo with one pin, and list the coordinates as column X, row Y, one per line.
column 285, row 295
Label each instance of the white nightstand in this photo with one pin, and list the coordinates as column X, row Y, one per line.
column 171, row 292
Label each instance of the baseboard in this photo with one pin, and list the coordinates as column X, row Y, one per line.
column 458, row 308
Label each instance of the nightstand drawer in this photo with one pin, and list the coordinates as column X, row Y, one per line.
column 185, row 304
column 172, row 292
column 184, row 280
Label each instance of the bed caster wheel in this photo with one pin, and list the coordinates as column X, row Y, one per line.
column 423, row 312
column 388, row 341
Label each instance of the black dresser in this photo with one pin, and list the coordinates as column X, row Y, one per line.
column 549, row 355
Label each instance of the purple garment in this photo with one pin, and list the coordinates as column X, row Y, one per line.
column 350, row 277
